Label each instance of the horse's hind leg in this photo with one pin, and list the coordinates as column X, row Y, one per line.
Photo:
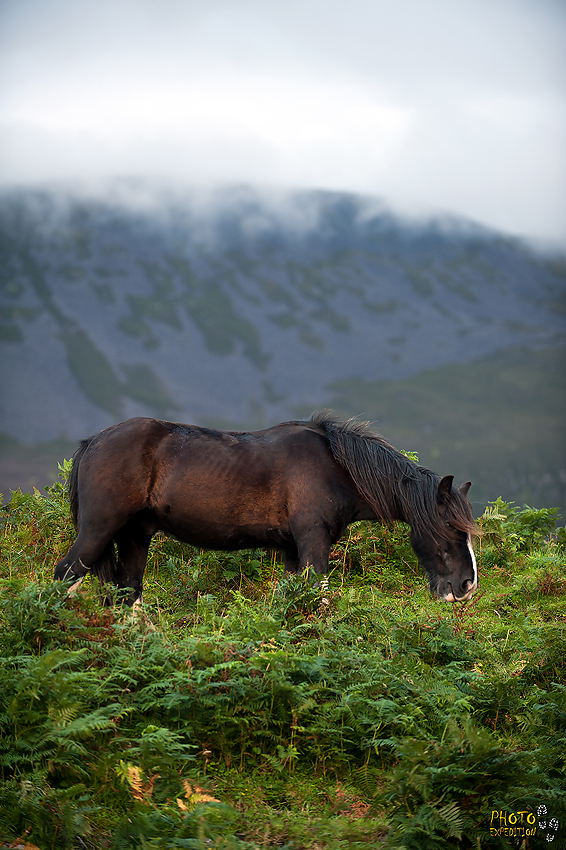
column 100, row 521
column 88, row 548
column 133, row 545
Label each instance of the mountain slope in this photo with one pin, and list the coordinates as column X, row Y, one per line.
column 239, row 307
column 499, row 421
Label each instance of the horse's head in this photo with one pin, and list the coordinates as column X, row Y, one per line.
column 447, row 556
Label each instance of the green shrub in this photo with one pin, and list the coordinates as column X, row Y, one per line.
column 247, row 709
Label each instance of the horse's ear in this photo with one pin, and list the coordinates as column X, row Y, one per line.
column 445, row 488
column 465, row 487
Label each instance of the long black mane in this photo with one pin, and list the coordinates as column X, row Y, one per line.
column 393, row 484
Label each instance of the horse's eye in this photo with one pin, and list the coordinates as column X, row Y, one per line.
column 448, row 525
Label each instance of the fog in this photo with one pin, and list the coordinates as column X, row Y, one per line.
column 455, row 105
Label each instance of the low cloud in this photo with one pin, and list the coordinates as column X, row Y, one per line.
column 459, row 108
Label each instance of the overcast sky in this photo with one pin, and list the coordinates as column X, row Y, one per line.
column 455, row 105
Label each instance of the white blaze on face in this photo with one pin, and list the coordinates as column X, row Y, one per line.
column 474, row 564
column 450, row 597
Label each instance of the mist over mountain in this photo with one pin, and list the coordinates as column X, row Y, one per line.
column 241, row 307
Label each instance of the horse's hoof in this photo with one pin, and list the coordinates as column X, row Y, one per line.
column 65, row 572
column 70, row 572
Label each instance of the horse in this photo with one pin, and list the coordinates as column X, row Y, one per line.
column 292, row 488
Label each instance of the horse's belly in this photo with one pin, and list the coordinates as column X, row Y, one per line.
column 212, row 534
column 220, row 518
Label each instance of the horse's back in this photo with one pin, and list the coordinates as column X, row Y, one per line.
column 228, row 489
column 191, row 481
column 158, row 459
column 242, row 465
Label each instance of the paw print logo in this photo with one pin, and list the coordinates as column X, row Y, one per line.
column 548, row 826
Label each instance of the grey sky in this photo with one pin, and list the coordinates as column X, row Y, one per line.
column 433, row 104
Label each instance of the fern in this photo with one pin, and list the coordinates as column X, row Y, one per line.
column 434, row 714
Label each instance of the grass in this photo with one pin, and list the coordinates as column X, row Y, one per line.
column 244, row 709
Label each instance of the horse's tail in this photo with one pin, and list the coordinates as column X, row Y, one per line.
column 105, row 566
column 73, row 482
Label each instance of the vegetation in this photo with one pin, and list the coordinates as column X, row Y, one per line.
column 501, row 416
column 244, row 709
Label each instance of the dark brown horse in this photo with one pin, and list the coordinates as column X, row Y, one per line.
column 292, row 488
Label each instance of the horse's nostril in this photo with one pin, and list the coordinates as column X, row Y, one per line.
column 467, row 585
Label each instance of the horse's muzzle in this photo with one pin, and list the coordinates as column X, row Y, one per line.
column 446, row 593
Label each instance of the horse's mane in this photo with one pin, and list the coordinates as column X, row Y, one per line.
column 392, row 484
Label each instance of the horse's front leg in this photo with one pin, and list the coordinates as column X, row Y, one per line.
column 313, row 549
column 291, row 562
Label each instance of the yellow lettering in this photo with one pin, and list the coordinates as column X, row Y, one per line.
column 503, row 823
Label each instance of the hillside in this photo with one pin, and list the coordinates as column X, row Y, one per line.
column 241, row 709
column 242, row 308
